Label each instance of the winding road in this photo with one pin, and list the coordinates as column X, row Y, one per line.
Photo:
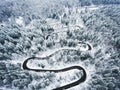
column 52, row 52
column 82, row 79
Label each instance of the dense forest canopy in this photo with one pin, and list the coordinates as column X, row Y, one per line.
column 31, row 27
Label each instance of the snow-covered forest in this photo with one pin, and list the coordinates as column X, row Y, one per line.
column 85, row 33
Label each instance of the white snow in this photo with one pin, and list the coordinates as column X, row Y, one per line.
column 60, row 28
column 20, row 21
column 93, row 8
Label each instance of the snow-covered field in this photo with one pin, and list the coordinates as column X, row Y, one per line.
column 65, row 33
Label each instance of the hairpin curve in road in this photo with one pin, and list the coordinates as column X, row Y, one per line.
column 82, row 79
